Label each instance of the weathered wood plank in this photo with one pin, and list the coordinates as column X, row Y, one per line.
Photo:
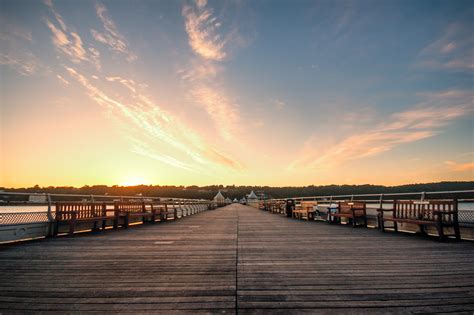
column 241, row 258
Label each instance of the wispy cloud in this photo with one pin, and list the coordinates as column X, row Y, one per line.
column 10, row 30
column 111, row 36
column 279, row 104
column 62, row 80
column 200, row 70
column 420, row 122
column 24, row 62
column 222, row 110
column 460, row 167
column 202, row 28
column 15, row 51
column 452, row 51
column 204, row 72
column 69, row 42
column 142, row 148
column 159, row 132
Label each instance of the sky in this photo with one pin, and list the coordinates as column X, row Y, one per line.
column 257, row 92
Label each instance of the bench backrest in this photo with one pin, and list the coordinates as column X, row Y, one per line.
column 130, row 207
column 82, row 210
column 308, row 205
column 269, row 204
column 425, row 210
column 348, row 206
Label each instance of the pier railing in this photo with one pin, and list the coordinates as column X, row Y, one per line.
column 33, row 215
column 464, row 199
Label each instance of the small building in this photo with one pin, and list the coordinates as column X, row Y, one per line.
column 235, row 200
column 252, row 200
column 243, row 201
column 219, row 199
column 228, row 201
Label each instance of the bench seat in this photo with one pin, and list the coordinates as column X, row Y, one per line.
column 127, row 210
column 305, row 210
column 353, row 210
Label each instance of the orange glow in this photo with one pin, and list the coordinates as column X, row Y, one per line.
column 134, row 181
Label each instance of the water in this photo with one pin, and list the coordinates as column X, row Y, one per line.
column 43, row 208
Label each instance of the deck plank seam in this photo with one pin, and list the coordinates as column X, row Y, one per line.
column 237, row 266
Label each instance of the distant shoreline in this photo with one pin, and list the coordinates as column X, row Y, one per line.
column 233, row 191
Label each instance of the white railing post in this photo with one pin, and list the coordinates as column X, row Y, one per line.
column 50, row 216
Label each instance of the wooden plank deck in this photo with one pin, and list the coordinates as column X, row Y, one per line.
column 238, row 260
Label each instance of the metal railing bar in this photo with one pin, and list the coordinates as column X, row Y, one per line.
column 384, row 194
column 91, row 196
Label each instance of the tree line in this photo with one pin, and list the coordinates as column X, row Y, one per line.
column 233, row 191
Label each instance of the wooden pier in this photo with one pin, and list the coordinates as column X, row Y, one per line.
column 238, row 259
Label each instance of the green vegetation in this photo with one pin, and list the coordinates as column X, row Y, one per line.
column 207, row 192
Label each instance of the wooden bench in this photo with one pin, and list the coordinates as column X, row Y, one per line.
column 305, row 210
column 168, row 209
column 352, row 210
column 437, row 213
column 74, row 213
column 279, row 207
column 270, row 205
column 127, row 210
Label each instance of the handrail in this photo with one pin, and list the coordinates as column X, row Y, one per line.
column 16, row 224
column 422, row 193
column 91, row 196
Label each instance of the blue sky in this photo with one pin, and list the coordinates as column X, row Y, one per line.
column 236, row 92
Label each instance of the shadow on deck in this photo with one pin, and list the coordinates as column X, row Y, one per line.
column 238, row 259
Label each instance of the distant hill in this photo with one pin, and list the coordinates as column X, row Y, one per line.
column 207, row 192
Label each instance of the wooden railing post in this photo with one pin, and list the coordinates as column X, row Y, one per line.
column 104, row 214
column 380, row 213
column 116, row 215
column 72, row 225
column 457, row 232
column 164, row 214
column 143, row 210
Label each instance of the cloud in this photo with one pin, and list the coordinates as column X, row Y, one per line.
column 111, row 36
column 223, row 111
column 69, row 42
column 200, row 70
column 452, row 51
column 161, row 136
column 8, row 31
column 223, row 159
column 460, row 167
column 143, row 149
column 279, row 104
column 62, row 80
column 419, row 122
column 203, row 73
column 24, row 62
column 201, row 27
column 15, row 49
